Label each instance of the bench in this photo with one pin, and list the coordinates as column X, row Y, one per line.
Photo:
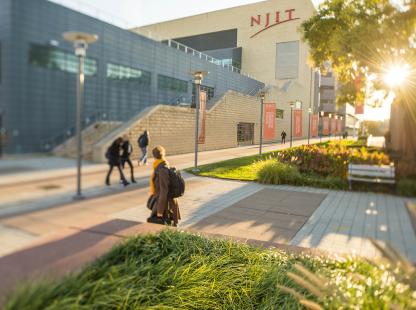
column 371, row 173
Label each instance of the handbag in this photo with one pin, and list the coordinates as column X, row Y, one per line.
column 151, row 202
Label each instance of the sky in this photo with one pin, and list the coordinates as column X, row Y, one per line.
column 132, row 13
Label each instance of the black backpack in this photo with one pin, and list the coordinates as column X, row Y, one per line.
column 107, row 153
column 176, row 182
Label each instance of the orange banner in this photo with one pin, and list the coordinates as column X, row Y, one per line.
column 325, row 126
column 269, row 121
column 202, row 115
column 297, row 123
column 359, row 107
column 339, row 129
column 333, row 125
column 314, row 125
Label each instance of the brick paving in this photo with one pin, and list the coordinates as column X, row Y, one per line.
column 268, row 215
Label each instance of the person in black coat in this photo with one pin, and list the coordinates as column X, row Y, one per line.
column 113, row 156
column 126, row 150
column 283, row 135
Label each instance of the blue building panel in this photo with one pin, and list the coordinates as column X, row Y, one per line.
column 38, row 86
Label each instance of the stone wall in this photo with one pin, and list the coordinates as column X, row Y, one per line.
column 90, row 136
column 174, row 127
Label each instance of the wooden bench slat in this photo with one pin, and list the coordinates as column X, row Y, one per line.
column 386, row 174
column 373, row 180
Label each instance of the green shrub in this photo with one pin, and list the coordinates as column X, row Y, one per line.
column 331, row 159
column 271, row 171
column 406, row 187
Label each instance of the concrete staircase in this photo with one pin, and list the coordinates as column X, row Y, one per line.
column 90, row 136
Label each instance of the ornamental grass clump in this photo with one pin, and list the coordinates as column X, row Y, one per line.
column 271, row 171
column 176, row 270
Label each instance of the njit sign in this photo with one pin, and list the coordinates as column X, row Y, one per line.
column 272, row 19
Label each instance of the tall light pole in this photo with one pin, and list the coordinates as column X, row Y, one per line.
column 80, row 41
column 330, row 126
column 292, row 105
column 321, row 121
column 198, row 77
column 309, row 123
column 262, row 95
column 336, row 126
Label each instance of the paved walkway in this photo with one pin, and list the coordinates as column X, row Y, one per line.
column 341, row 223
column 25, row 192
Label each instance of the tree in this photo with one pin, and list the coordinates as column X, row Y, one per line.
column 362, row 39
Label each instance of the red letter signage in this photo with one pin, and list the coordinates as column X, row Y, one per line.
column 268, row 20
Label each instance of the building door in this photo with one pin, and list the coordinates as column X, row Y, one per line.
column 245, row 133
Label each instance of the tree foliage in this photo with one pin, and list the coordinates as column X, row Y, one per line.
column 361, row 38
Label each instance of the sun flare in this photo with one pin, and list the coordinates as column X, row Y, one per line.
column 396, row 75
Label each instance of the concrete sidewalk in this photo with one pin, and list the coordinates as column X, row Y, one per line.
column 45, row 189
column 336, row 221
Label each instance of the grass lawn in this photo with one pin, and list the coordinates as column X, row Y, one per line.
column 175, row 270
column 235, row 169
column 247, row 169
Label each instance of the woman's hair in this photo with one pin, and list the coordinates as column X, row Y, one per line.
column 159, row 152
column 119, row 140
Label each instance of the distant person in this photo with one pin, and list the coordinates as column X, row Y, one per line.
column 113, row 156
column 143, row 142
column 126, row 150
column 163, row 186
column 283, row 135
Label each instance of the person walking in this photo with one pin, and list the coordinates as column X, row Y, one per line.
column 126, row 150
column 113, row 156
column 283, row 135
column 143, row 142
column 165, row 210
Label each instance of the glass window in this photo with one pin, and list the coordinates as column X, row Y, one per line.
column 209, row 90
column 53, row 58
column 279, row 113
column 170, row 83
column 287, row 60
column 118, row 72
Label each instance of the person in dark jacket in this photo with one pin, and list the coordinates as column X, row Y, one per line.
column 126, row 150
column 143, row 142
column 283, row 135
column 113, row 156
column 166, row 209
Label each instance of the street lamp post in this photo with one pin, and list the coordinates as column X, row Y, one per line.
column 309, row 123
column 262, row 94
column 321, row 121
column 336, row 126
column 198, row 76
column 292, row 105
column 80, row 41
column 330, row 126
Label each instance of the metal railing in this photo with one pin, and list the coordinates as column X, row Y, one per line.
column 189, row 50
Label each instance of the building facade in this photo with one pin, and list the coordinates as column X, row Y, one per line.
column 261, row 39
column 125, row 73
